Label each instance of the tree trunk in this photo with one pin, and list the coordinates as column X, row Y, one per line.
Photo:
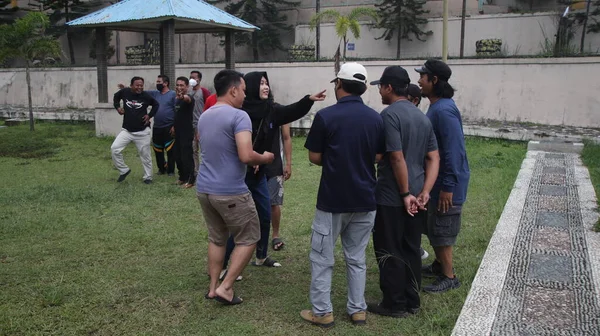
column 462, row 28
column 28, row 80
column 69, row 40
column 585, row 21
column 345, row 46
column 318, row 37
column 399, row 41
column 255, row 45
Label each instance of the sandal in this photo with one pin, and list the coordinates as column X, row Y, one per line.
column 268, row 262
column 208, row 297
column 234, row 301
column 277, row 244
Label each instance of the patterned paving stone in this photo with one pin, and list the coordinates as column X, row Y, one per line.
column 548, row 203
column 549, row 308
column 550, row 268
column 554, row 156
column 553, row 219
column 552, row 190
column 554, row 170
column 555, row 179
column 550, row 239
column 558, row 163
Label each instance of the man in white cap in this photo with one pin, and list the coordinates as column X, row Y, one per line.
column 345, row 139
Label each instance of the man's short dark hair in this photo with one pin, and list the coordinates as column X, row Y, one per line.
column 184, row 79
column 400, row 91
column 225, row 80
column 353, row 87
column 165, row 79
column 135, row 78
column 197, row 72
column 441, row 89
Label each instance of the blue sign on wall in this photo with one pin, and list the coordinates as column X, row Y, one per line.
column 350, row 46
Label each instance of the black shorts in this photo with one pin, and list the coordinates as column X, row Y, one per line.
column 443, row 228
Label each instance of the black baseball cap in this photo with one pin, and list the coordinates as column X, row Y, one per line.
column 435, row 68
column 414, row 91
column 394, row 75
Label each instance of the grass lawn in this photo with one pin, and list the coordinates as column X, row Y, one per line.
column 591, row 159
column 81, row 254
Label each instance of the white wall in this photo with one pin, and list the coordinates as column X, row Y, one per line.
column 547, row 91
column 521, row 34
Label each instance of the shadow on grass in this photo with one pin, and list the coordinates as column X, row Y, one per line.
column 591, row 159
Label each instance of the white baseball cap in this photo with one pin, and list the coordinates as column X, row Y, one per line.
column 352, row 72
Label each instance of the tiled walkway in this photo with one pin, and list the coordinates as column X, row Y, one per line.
column 541, row 272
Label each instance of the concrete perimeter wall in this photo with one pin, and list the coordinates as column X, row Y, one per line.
column 546, row 91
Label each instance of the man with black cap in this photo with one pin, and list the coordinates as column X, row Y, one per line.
column 450, row 189
column 345, row 139
column 406, row 172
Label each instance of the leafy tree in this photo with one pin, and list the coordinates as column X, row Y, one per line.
column 26, row 39
column 403, row 18
column 345, row 24
column 265, row 14
column 110, row 50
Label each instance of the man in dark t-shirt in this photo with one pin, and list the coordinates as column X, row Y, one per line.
column 344, row 139
column 405, row 175
column 183, row 130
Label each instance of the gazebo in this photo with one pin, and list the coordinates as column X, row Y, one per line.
column 168, row 17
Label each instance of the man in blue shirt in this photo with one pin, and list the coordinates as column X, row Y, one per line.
column 344, row 139
column 162, row 130
column 450, row 189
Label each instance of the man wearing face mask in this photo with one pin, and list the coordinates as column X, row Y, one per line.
column 199, row 94
column 162, row 130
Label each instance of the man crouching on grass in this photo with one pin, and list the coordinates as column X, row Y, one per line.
column 226, row 150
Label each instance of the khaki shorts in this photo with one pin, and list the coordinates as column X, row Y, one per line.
column 230, row 215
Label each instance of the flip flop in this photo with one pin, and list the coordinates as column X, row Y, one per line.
column 208, row 297
column 277, row 244
column 235, row 301
column 268, row 263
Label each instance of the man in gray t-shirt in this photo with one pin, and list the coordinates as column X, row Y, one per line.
column 405, row 176
column 226, row 140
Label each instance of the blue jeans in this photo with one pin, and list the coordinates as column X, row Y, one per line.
column 260, row 194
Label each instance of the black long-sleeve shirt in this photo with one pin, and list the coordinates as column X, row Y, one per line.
column 135, row 106
column 265, row 130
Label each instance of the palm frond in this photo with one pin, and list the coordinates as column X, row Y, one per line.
column 324, row 15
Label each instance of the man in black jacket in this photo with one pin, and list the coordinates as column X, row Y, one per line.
column 136, row 127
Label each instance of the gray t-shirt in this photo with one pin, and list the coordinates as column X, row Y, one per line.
column 221, row 172
column 198, row 105
column 408, row 130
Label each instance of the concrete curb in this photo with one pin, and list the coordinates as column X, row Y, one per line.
column 479, row 311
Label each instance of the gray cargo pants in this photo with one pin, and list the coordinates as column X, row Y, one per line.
column 355, row 229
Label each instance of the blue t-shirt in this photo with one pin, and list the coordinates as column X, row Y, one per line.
column 454, row 171
column 349, row 135
column 165, row 116
column 221, row 172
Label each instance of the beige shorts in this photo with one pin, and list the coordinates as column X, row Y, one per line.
column 230, row 215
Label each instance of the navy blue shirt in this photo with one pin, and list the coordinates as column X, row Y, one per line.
column 454, row 167
column 349, row 135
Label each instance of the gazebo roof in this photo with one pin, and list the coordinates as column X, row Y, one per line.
column 191, row 16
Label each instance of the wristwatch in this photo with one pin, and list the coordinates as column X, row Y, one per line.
column 403, row 195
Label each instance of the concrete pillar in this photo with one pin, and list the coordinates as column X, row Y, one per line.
column 101, row 65
column 167, row 42
column 229, row 49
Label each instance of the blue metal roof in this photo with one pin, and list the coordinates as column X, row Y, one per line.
column 146, row 14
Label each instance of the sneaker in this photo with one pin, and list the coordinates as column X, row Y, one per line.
column 123, row 176
column 148, row 181
column 379, row 309
column 424, row 254
column 442, row 284
column 224, row 273
column 323, row 321
column 432, row 270
column 359, row 318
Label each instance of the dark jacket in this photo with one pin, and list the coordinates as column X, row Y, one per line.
column 267, row 116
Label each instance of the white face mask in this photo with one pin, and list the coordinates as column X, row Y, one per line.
column 193, row 82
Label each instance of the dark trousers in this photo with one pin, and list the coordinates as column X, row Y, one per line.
column 260, row 194
column 397, row 243
column 162, row 142
column 184, row 156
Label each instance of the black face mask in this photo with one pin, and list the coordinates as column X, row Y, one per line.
column 160, row 87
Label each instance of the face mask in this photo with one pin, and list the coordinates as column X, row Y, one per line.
column 160, row 87
column 193, row 82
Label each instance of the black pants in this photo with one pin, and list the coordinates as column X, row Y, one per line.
column 184, row 156
column 162, row 142
column 397, row 242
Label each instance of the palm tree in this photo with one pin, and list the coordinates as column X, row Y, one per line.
column 26, row 39
column 345, row 24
